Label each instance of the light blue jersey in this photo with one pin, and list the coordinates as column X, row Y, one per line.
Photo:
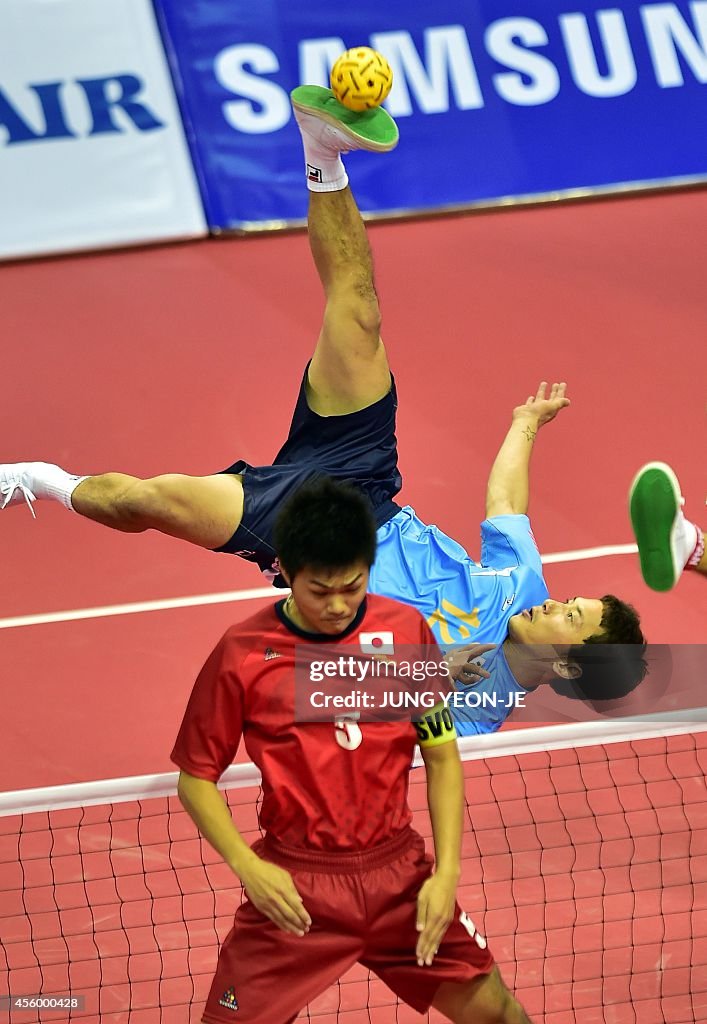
column 464, row 601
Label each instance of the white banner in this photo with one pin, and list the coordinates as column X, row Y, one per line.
column 92, row 149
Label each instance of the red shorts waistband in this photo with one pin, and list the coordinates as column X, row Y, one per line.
column 347, row 863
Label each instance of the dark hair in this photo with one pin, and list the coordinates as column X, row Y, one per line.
column 612, row 660
column 619, row 624
column 325, row 524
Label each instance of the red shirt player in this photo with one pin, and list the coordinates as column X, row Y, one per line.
column 340, row 877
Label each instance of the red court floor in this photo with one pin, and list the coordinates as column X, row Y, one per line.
column 187, row 357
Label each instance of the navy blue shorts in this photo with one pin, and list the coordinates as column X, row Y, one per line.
column 359, row 448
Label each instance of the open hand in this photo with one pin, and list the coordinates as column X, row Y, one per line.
column 435, row 910
column 271, row 890
column 540, row 408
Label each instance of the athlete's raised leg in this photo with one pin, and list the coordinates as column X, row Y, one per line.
column 349, row 369
column 202, row 510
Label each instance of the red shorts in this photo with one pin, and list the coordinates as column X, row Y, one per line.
column 363, row 909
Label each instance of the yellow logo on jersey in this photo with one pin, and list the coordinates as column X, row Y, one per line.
column 443, row 620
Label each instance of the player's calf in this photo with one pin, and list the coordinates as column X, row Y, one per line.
column 119, row 501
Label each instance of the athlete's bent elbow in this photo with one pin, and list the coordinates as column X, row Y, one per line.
column 503, row 508
column 187, row 786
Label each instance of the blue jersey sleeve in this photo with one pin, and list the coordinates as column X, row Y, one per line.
column 508, row 541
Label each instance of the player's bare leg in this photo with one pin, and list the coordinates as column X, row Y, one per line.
column 202, row 510
column 484, row 1001
column 349, row 369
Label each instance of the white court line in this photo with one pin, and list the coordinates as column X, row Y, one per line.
column 140, row 606
column 580, row 555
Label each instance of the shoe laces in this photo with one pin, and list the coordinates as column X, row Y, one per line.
column 8, row 488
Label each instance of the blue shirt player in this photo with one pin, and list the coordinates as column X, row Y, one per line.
column 466, row 601
column 344, row 427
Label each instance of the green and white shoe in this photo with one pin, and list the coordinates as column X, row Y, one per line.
column 339, row 128
column 655, row 505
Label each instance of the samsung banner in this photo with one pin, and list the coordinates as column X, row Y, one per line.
column 493, row 98
column 92, row 148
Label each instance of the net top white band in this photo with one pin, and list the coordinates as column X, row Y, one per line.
column 498, row 744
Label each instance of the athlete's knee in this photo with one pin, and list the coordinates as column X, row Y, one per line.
column 364, row 299
column 357, row 301
column 368, row 316
column 513, row 1012
column 488, row 1001
column 505, row 1009
column 509, row 1010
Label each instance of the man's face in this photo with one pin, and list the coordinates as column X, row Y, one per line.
column 557, row 622
column 327, row 601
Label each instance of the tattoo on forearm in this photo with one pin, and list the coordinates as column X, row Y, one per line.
column 530, row 433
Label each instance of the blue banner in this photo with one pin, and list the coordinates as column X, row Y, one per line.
column 493, row 99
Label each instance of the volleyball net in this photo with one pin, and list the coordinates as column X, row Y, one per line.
column 584, row 863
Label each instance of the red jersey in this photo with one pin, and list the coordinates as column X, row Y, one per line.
column 324, row 787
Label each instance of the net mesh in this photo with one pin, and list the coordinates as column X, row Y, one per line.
column 586, row 868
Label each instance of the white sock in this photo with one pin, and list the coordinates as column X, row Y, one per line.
column 325, row 168
column 692, row 544
column 53, row 482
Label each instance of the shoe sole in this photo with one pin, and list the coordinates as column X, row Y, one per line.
column 374, row 130
column 654, row 504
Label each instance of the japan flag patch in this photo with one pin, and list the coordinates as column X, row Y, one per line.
column 376, row 643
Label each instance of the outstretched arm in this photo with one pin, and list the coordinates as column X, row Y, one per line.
column 507, row 488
